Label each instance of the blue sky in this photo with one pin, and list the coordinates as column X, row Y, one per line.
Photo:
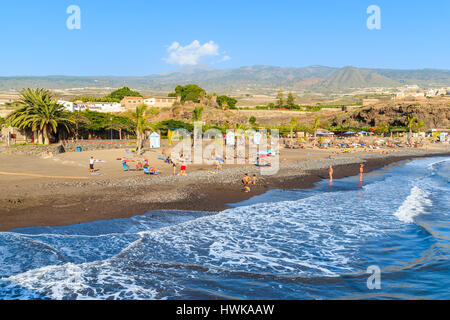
column 134, row 37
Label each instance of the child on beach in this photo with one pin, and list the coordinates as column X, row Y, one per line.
column 183, row 169
column 91, row 164
column 254, row 179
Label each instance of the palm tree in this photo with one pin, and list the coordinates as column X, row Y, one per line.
column 316, row 125
column 140, row 119
column 197, row 113
column 38, row 111
column 294, row 123
column 411, row 124
column 420, row 125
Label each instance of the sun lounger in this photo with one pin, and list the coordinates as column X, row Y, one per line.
column 148, row 170
column 125, row 166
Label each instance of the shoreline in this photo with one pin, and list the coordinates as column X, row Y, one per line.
column 78, row 202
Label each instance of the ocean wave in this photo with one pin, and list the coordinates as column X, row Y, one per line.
column 414, row 205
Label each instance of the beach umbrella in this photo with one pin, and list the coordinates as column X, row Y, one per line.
column 220, row 160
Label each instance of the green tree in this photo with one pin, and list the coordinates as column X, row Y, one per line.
column 38, row 110
column 420, row 125
column 384, row 128
column 79, row 119
column 294, row 123
column 190, row 92
column 280, row 99
column 119, row 123
column 226, row 102
column 140, row 119
column 197, row 113
column 411, row 124
column 316, row 125
column 119, row 94
column 290, row 100
column 252, row 120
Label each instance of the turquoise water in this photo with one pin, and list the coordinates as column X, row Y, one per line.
column 296, row 244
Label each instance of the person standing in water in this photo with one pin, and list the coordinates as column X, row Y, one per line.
column 361, row 172
column 330, row 172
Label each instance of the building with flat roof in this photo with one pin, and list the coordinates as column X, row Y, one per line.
column 160, row 102
column 130, row 103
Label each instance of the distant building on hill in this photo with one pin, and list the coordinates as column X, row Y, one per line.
column 92, row 106
column 161, row 102
column 69, row 106
column 130, row 103
column 105, row 107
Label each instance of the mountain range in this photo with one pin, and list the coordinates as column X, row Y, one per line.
column 315, row 78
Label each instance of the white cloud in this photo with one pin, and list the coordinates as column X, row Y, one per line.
column 191, row 54
column 225, row 58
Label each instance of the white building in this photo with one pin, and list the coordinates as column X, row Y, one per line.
column 431, row 93
column 69, row 106
column 105, row 107
column 93, row 106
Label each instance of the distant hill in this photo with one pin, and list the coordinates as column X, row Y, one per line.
column 351, row 77
column 423, row 77
column 251, row 78
column 242, row 78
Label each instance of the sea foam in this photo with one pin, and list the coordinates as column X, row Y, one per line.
column 414, row 205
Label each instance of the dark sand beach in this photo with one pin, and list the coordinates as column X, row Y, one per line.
column 55, row 203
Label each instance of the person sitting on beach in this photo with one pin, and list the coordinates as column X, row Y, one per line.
column 246, row 182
